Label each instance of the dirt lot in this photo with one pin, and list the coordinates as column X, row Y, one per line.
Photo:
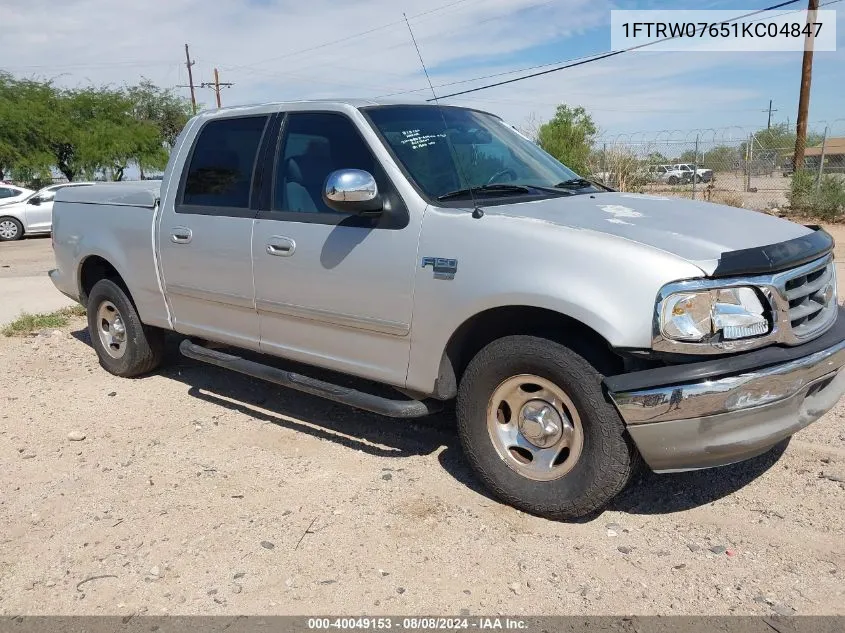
column 24, row 285
column 195, row 490
column 27, row 257
column 765, row 191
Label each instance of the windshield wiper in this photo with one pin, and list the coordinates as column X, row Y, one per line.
column 494, row 187
column 582, row 183
column 575, row 183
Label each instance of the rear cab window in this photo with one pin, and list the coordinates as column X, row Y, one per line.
column 221, row 168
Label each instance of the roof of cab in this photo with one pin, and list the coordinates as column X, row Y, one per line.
column 270, row 106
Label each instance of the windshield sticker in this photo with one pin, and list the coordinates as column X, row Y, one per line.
column 618, row 211
column 417, row 140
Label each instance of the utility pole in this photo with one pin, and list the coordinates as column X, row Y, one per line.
column 216, row 86
column 769, row 124
column 190, row 85
column 804, row 98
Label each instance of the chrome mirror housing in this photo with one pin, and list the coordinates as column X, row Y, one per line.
column 352, row 191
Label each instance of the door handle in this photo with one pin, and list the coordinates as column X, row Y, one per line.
column 180, row 235
column 280, row 246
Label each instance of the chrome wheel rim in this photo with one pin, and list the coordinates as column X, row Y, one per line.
column 8, row 229
column 111, row 329
column 535, row 427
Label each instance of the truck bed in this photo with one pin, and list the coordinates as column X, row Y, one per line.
column 115, row 221
column 143, row 194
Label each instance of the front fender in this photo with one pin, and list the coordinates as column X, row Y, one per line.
column 608, row 283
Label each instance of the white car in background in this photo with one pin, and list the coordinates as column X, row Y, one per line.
column 33, row 215
column 688, row 169
column 668, row 174
column 10, row 194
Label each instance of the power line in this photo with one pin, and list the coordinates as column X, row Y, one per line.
column 804, row 96
column 498, row 74
column 606, row 55
column 769, row 110
column 216, row 85
column 190, row 85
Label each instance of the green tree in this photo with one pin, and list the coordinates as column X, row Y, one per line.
column 111, row 136
column 689, row 156
column 164, row 109
column 85, row 131
column 721, row 158
column 776, row 143
column 569, row 137
column 25, row 109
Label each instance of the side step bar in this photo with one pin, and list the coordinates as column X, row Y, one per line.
column 337, row 393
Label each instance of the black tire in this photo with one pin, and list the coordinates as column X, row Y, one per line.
column 144, row 345
column 608, row 459
column 673, row 180
column 13, row 225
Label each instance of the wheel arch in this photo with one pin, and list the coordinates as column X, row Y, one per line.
column 92, row 269
column 493, row 323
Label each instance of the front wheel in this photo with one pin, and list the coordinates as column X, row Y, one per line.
column 537, row 429
column 126, row 347
column 673, row 180
column 10, row 229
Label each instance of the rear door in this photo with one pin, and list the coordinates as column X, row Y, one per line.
column 333, row 290
column 205, row 233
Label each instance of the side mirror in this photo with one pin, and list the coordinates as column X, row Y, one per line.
column 35, row 200
column 353, row 191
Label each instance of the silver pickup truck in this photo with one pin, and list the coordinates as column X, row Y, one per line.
column 438, row 252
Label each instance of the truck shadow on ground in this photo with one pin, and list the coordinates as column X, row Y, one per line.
column 380, row 436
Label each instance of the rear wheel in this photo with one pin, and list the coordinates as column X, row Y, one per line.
column 126, row 347
column 10, row 229
column 538, row 431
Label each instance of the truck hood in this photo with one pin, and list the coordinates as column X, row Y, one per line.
column 698, row 232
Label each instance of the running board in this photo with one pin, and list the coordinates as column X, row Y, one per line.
column 329, row 391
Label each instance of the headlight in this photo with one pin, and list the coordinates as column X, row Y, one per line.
column 696, row 316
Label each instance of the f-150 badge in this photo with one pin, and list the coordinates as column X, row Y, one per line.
column 443, row 268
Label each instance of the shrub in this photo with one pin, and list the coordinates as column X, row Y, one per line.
column 730, row 198
column 801, row 190
column 830, row 199
column 827, row 201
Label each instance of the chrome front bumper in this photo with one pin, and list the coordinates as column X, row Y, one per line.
column 722, row 420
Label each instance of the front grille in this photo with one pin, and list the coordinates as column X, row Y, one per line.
column 811, row 297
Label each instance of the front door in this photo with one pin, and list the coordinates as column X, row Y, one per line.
column 331, row 289
column 205, row 234
column 39, row 212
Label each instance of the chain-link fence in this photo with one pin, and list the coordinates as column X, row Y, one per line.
column 750, row 168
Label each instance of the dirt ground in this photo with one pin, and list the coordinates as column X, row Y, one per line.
column 27, row 257
column 196, row 490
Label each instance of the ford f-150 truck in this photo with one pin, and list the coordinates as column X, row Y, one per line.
column 436, row 251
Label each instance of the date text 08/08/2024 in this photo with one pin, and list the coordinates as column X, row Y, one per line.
column 417, row 623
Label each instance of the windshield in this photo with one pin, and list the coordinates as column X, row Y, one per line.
column 472, row 150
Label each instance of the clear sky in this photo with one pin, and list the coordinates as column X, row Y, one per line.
column 274, row 50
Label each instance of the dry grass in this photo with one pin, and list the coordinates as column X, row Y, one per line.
column 27, row 323
column 730, row 198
